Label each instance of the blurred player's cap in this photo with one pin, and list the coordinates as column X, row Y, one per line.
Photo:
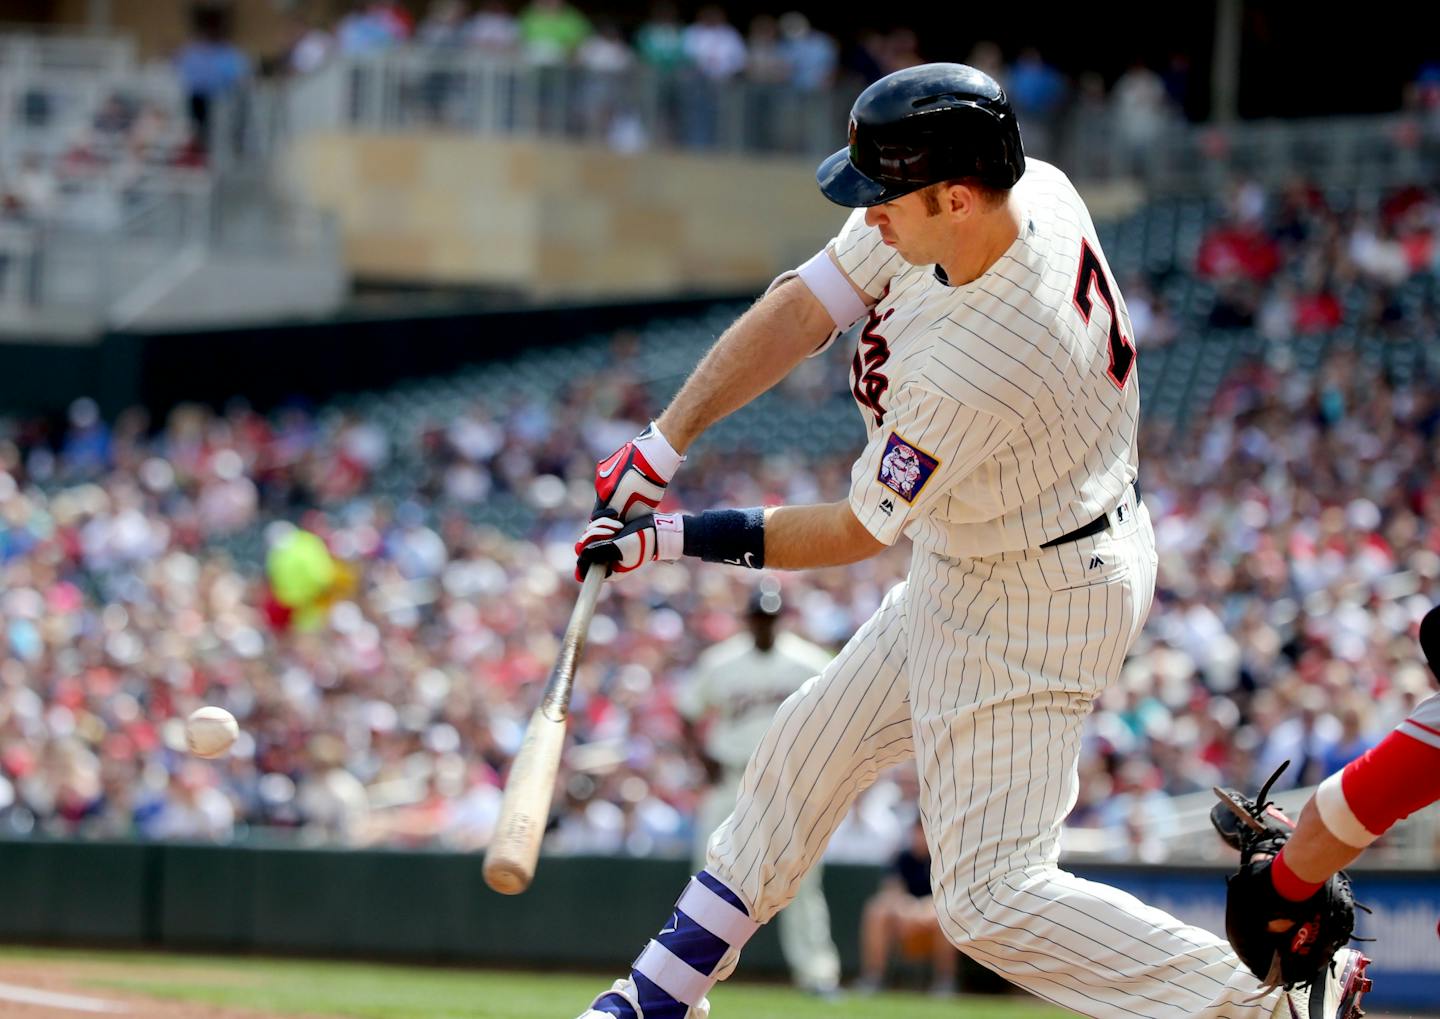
column 920, row 126
column 765, row 601
column 1430, row 639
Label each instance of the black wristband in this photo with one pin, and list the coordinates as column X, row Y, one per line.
column 735, row 537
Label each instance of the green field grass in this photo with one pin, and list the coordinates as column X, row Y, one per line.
column 366, row 991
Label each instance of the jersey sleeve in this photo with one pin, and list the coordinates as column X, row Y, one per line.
column 1424, row 722
column 810, row 657
column 928, row 443
column 866, row 259
column 1386, row 783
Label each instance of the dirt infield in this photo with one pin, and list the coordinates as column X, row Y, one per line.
column 50, row 989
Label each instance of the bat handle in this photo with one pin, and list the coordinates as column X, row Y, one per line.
column 556, row 703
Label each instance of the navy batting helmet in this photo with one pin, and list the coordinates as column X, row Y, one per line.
column 921, row 126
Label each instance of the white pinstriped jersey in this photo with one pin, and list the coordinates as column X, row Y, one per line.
column 1001, row 413
column 1424, row 722
column 743, row 687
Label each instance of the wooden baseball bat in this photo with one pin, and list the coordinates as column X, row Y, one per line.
column 515, row 849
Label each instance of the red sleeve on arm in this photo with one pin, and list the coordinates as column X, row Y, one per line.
column 1392, row 781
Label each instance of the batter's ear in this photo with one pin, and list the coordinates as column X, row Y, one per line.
column 959, row 198
column 965, row 197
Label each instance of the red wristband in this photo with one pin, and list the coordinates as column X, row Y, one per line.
column 1287, row 883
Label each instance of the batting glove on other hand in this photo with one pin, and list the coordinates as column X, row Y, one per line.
column 631, row 481
column 624, row 548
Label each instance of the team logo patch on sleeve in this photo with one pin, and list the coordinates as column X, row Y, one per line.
column 904, row 469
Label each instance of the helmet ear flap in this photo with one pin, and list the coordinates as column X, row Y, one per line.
column 984, row 142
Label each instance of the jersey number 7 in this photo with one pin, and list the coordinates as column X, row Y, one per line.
column 1122, row 351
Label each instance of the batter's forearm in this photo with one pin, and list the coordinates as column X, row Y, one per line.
column 808, row 537
column 757, row 351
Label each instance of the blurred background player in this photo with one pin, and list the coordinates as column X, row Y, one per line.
column 900, row 918
column 726, row 706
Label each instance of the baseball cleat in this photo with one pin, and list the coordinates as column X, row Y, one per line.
column 624, row 990
column 1336, row 996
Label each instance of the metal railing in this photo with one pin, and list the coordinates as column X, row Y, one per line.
column 414, row 89
column 74, row 276
column 64, row 49
column 125, row 219
column 1188, row 837
column 418, row 89
column 79, row 267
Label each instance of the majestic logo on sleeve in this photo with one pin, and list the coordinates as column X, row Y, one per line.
column 870, row 356
column 904, row 469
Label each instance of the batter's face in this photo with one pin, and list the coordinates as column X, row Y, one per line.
column 922, row 237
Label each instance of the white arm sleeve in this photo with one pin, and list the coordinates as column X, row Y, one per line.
column 828, row 283
column 856, row 254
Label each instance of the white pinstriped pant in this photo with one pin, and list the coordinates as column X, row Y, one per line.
column 804, row 924
column 983, row 671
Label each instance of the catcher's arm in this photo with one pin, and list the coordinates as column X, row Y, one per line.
column 1393, row 780
column 1313, row 852
column 1352, row 809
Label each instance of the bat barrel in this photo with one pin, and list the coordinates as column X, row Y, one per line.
column 514, row 850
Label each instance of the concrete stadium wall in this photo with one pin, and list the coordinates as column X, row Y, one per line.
column 553, row 219
column 592, row 912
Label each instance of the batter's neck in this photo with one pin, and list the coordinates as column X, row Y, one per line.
column 977, row 250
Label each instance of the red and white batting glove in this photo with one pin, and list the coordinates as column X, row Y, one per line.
column 624, row 548
column 631, row 481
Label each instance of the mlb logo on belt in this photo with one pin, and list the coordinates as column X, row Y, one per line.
column 904, row 468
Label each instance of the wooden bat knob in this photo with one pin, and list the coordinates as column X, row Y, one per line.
column 506, row 877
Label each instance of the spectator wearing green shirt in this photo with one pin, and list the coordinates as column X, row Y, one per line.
column 551, row 31
column 660, row 42
column 660, row 45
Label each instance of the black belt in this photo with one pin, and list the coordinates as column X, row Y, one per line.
column 1100, row 523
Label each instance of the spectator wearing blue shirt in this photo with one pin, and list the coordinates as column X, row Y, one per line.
column 1038, row 92
column 811, row 54
column 86, row 448
column 1353, row 742
column 209, row 65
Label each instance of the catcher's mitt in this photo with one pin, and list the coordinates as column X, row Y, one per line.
column 1283, row 943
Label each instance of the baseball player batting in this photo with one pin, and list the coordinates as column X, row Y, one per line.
column 733, row 692
column 996, row 377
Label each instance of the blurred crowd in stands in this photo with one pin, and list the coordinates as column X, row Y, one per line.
column 1295, row 264
column 773, row 55
column 1298, row 521
column 768, row 85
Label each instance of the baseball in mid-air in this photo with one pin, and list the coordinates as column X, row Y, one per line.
column 210, row 731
